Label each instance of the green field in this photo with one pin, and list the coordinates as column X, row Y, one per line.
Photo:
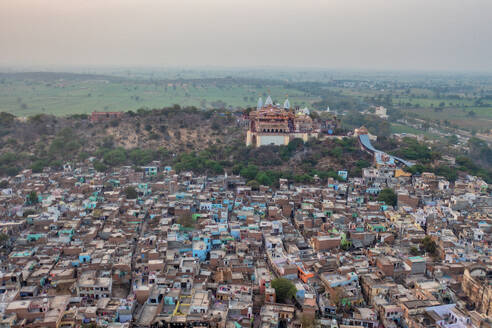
column 482, row 119
column 24, row 97
column 447, row 101
column 400, row 128
column 468, row 108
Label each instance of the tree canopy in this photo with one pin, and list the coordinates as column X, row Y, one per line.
column 131, row 193
column 186, row 221
column 428, row 245
column 284, row 289
column 388, row 196
column 32, row 197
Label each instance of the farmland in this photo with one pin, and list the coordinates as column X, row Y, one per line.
column 25, row 95
column 446, row 102
column 450, row 102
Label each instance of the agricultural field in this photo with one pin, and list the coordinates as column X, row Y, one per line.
column 73, row 94
column 461, row 103
column 446, row 101
column 400, row 128
column 470, row 118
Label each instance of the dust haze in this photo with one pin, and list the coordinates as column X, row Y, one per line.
column 378, row 34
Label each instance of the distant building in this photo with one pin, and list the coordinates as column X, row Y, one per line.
column 104, row 116
column 381, row 112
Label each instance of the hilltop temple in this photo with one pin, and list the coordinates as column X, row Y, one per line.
column 274, row 124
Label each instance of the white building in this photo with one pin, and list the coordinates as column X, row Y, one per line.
column 381, row 112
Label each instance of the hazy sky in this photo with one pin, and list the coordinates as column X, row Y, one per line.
column 372, row 34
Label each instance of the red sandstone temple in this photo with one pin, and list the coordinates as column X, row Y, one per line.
column 272, row 124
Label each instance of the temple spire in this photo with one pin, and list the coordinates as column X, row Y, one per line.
column 268, row 101
column 287, row 104
column 260, row 103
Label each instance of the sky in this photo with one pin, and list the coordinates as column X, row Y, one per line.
column 454, row 35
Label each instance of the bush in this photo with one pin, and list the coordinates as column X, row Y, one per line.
column 65, row 143
column 303, row 178
column 9, row 170
column 374, row 124
column 362, row 163
column 6, row 119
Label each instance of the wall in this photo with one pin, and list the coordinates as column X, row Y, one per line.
column 277, row 140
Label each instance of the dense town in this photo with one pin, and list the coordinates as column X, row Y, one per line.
column 245, row 164
column 150, row 247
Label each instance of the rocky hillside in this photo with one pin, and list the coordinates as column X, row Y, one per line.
column 173, row 128
column 189, row 139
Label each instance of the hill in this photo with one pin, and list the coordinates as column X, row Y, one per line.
column 189, row 139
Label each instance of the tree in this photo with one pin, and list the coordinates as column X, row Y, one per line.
column 362, row 163
column 38, row 166
column 99, row 167
column 28, row 212
column 453, row 139
column 32, row 197
column 284, row 289
column 186, row 221
column 264, row 179
column 89, row 325
column 115, row 157
column 428, row 245
column 414, row 251
column 388, row 196
column 446, row 171
column 4, row 184
column 337, row 294
column 307, row 321
column 237, row 168
column 249, row 172
column 4, row 238
column 131, row 193
column 141, row 156
column 253, row 184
